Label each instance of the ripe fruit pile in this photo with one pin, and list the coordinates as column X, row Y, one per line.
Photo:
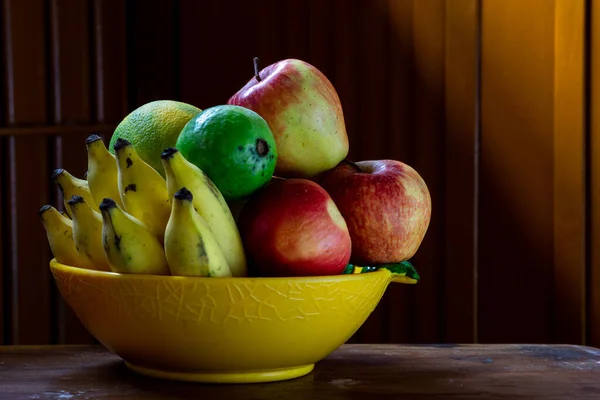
column 259, row 186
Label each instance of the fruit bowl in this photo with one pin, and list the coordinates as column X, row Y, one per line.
column 221, row 330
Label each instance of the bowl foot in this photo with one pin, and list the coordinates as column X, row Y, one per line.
column 271, row 375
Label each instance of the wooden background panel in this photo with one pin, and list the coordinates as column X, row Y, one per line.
column 569, row 296
column 321, row 37
column 372, row 124
column 461, row 83
column 346, row 71
column 515, row 264
column 344, row 75
column 26, row 101
column 428, row 130
column 215, row 65
column 593, row 278
column 295, row 29
column 71, row 104
column 152, row 52
column 4, row 252
column 407, row 75
column 400, row 144
column 110, row 59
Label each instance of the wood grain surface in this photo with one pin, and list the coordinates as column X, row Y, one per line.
column 352, row 372
column 516, row 241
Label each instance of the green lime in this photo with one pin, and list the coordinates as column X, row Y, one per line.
column 153, row 127
column 233, row 145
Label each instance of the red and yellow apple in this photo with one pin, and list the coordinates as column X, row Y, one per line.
column 292, row 227
column 304, row 113
column 386, row 205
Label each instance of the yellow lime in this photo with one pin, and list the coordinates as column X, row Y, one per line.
column 153, row 127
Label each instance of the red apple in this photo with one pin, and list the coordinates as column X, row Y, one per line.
column 292, row 227
column 386, row 205
column 304, row 113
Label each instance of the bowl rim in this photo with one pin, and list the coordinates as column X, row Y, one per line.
column 56, row 265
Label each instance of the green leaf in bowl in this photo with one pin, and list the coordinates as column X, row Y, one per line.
column 404, row 268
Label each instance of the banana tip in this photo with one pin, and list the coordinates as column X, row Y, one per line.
column 75, row 199
column 106, row 204
column 44, row 208
column 184, row 194
column 120, row 143
column 168, row 153
column 57, row 172
column 92, row 138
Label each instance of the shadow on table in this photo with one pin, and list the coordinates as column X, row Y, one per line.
column 332, row 379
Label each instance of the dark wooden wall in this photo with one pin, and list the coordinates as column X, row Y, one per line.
column 491, row 101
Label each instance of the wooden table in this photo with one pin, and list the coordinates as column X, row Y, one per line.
column 352, row 372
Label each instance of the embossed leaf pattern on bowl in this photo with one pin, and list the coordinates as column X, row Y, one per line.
column 246, row 301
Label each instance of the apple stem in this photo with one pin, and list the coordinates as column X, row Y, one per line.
column 256, row 74
column 352, row 164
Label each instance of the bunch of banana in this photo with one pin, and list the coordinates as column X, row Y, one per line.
column 102, row 173
column 142, row 189
column 125, row 217
column 59, row 231
column 190, row 246
column 87, row 232
column 128, row 244
column 209, row 203
column 71, row 186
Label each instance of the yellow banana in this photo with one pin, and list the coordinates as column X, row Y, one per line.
column 190, row 246
column 209, row 203
column 102, row 173
column 71, row 186
column 143, row 190
column 59, row 231
column 128, row 244
column 87, row 232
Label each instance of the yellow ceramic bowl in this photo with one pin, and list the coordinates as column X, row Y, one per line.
column 223, row 330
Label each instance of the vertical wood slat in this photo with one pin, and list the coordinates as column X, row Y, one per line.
column 515, row 265
column 297, row 39
column 321, row 36
column 345, row 71
column 400, row 141
column 4, row 215
column 191, row 61
column 4, row 287
column 71, row 102
column 461, row 86
column 110, row 61
column 594, row 179
column 210, row 76
column 429, row 27
column 268, row 44
column 26, row 103
column 373, row 35
column 569, row 173
column 151, row 58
